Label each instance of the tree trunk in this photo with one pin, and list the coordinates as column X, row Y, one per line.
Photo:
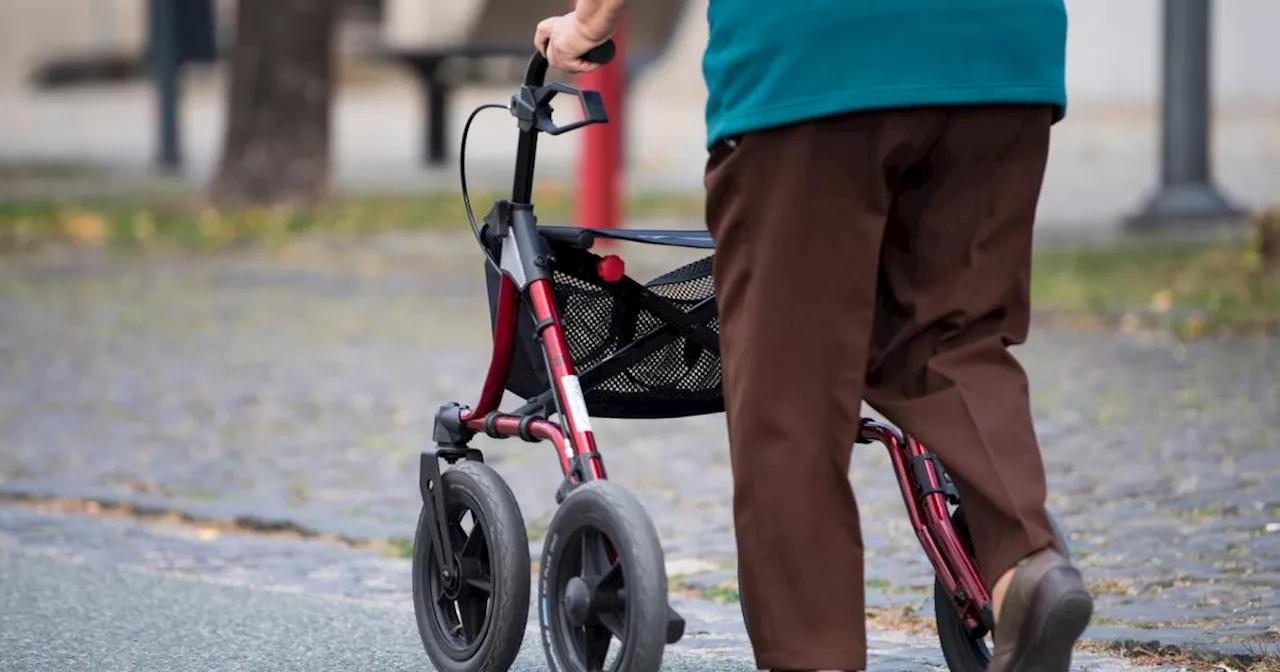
column 1269, row 241
column 276, row 148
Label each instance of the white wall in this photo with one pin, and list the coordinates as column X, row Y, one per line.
column 1105, row 157
column 32, row 30
column 1113, row 53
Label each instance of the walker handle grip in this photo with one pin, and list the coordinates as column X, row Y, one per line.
column 601, row 54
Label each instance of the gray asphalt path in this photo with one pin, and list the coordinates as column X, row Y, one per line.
column 86, row 593
column 63, row 615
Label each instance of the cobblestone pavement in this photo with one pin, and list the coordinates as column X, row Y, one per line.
column 110, row 565
column 301, row 388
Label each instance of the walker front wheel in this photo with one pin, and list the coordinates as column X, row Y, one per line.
column 473, row 620
column 603, row 585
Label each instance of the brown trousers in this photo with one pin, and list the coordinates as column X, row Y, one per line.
column 882, row 256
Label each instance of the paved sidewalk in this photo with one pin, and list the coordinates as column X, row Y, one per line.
column 185, row 600
column 302, row 388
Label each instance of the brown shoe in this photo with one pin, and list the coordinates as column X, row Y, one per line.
column 1045, row 610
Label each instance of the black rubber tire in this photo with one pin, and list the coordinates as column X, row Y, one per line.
column 963, row 651
column 603, row 507
column 477, row 488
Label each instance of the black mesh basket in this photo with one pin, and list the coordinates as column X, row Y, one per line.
column 641, row 351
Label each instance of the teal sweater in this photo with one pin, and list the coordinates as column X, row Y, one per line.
column 777, row 62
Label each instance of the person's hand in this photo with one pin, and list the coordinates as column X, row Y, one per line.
column 564, row 40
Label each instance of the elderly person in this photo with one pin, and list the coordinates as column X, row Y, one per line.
column 872, row 184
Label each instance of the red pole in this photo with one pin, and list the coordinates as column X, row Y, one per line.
column 598, row 195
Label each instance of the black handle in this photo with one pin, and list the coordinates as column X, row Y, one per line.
column 537, row 73
column 528, row 107
column 601, row 54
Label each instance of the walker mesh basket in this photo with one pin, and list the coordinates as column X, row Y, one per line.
column 641, row 351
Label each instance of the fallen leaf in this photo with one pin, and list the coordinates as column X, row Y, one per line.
column 1195, row 327
column 84, row 227
column 142, row 486
column 1162, row 302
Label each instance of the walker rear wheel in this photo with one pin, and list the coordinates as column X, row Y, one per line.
column 603, row 585
column 970, row 650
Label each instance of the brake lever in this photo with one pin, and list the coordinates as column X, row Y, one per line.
column 533, row 108
column 532, row 105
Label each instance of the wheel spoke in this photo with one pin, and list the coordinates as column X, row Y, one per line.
column 438, row 593
column 457, row 536
column 481, row 586
column 476, row 545
column 595, row 647
column 614, row 625
column 471, row 615
column 612, row 580
column 592, row 549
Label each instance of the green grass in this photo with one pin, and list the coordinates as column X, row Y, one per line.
column 1258, row 658
column 1191, row 289
column 398, row 547
column 536, row 529
column 724, row 593
column 138, row 222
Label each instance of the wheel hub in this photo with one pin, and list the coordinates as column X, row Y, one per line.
column 451, row 582
column 577, row 601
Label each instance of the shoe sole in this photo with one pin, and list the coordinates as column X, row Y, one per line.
column 1052, row 633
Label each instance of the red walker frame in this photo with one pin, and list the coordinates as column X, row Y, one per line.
column 929, row 513
column 926, row 490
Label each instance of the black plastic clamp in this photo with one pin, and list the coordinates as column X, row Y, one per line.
column 491, row 425
column 577, row 474
column 523, row 429
column 924, row 488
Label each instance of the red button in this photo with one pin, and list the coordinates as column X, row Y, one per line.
column 611, row 268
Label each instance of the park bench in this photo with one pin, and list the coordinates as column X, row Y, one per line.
column 447, row 43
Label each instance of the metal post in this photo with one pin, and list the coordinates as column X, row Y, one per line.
column 1186, row 193
column 437, row 108
column 165, row 67
column 600, row 175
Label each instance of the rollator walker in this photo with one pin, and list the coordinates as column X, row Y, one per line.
column 577, row 338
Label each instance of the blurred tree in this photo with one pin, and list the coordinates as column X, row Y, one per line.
column 276, row 150
column 1269, row 241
